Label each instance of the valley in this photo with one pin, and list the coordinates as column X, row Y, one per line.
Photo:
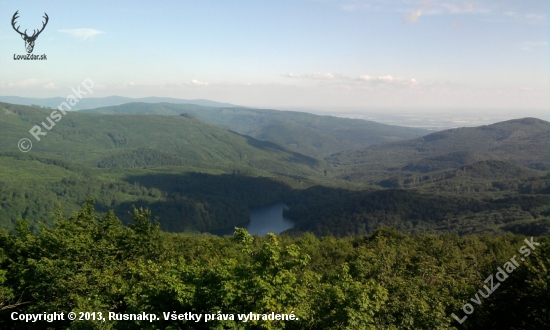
column 201, row 169
column 274, row 165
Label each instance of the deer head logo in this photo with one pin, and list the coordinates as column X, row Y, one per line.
column 29, row 40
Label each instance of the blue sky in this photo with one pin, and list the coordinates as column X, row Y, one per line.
column 383, row 53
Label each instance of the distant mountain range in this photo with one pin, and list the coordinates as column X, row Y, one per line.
column 96, row 102
column 128, row 141
column 193, row 175
column 201, row 168
column 523, row 142
column 309, row 134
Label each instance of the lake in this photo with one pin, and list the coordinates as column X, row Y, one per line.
column 265, row 219
column 268, row 219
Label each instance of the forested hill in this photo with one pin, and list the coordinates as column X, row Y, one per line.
column 139, row 141
column 194, row 176
column 523, row 142
column 200, row 177
column 309, row 134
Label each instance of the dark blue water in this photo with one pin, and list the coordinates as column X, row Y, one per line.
column 264, row 219
column 268, row 219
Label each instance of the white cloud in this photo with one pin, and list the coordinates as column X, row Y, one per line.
column 538, row 19
column 535, row 16
column 388, row 80
column 32, row 82
column 82, row 34
column 355, row 7
column 414, row 16
column 342, row 80
column 433, row 7
column 412, row 11
column 50, row 85
column 461, row 9
column 522, row 18
column 316, row 75
column 537, row 43
column 198, row 83
column 319, row 75
column 29, row 84
column 530, row 45
column 100, row 87
column 349, row 7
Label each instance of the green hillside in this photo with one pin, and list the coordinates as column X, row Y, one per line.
column 478, row 176
column 184, row 198
column 127, row 140
column 309, row 134
column 198, row 177
column 523, row 142
column 339, row 212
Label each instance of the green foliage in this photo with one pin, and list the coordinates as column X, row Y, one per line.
column 309, row 134
column 6, row 293
column 183, row 201
column 461, row 180
column 339, row 212
column 520, row 142
column 123, row 141
column 201, row 202
column 388, row 280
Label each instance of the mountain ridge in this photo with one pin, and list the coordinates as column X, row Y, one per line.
column 516, row 134
column 93, row 139
column 96, row 102
column 309, row 134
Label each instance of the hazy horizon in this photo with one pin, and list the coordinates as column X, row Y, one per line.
column 428, row 118
column 288, row 54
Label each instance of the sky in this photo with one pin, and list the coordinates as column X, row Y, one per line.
column 405, row 54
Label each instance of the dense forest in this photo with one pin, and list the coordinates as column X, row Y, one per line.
column 522, row 142
column 463, row 201
column 395, row 235
column 275, row 165
column 198, row 177
column 90, row 262
column 522, row 207
column 306, row 133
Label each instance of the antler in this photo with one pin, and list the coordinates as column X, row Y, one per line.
column 13, row 24
column 35, row 34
